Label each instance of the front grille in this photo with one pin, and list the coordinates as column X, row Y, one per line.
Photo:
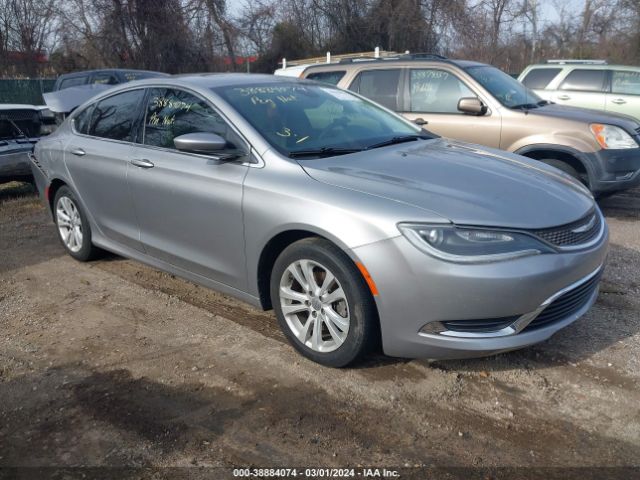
column 572, row 234
column 567, row 304
column 479, row 326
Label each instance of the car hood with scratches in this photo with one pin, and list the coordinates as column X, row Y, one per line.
column 466, row 184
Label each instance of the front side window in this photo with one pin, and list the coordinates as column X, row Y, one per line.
column 171, row 113
column 115, row 116
column 436, row 91
column 625, row 82
column 381, row 86
column 584, row 81
column 303, row 117
column 539, row 78
column 332, row 78
column 506, row 89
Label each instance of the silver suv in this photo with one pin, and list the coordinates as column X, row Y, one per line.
column 587, row 84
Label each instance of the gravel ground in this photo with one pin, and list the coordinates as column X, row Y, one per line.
column 115, row 364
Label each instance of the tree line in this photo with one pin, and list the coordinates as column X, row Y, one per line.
column 49, row 37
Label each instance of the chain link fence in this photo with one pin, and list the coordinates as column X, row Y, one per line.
column 25, row 90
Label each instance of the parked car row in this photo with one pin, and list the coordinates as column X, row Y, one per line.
column 480, row 104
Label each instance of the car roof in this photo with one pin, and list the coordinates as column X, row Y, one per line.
column 584, row 66
column 17, row 106
column 109, row 70
column 211, row 80
column 395, row 61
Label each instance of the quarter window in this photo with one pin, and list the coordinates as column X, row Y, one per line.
column 380, row 86
column 171, row 113
column 539, row 78
column 625, row 82
column 104, row 79
column 327, row 77
column 81, row 121
column 436, row 91
column 584, row 81
column 114, row 117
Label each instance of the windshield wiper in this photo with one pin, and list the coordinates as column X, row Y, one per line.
column 525, row 106
column 396, row 140
column 542, row 103
column 323, row 152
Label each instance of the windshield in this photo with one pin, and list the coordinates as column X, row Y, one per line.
column 509, row 92
column 301, row 119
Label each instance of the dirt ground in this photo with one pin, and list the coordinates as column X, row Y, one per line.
column 111, row 363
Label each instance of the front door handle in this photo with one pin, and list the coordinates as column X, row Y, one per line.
column 619, row 101
column 142, row 163
column 420, row 121
column 564, row 97
column 78, row 152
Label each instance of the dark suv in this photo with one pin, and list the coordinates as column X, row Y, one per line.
column 111, row 76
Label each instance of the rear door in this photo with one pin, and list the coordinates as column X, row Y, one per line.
column 584, row 88
column 539, row 78
column 433, row 95
column 97, row 156
column 382, row 85
column 189, row 206
column 625, row 93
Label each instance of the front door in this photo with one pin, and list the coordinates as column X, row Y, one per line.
column 625, row 93
column 189, row 205
column 434, row 95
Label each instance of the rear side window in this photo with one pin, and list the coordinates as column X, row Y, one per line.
column 585, row 81
column 539, row 78
column 380, row 86
column 625, row 83
column 327, row 77
column 72, row 82
column 104, row 79
column 171, row 113
column 115, row 116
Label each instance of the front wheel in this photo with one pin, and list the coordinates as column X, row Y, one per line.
column 73, row 227
column 322, row 303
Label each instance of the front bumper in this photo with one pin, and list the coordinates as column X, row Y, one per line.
column 613, row 170
column 416, row 290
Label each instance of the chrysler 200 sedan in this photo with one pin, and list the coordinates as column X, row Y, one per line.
column 353, row 224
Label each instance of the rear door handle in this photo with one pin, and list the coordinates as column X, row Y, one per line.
column 142, row 163
column 78, row 152
column 564, row 97
column 619, row 101
column 420, row 121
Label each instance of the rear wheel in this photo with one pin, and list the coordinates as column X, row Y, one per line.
column 322, row 303
column 73, row 228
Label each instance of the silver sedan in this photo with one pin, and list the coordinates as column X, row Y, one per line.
column 360, row 229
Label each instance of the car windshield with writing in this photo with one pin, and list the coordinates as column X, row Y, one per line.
column 509, row 92
column 313, row 121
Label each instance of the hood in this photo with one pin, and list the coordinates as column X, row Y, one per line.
column 466, row 184
column 64, row 101
column 587, row 116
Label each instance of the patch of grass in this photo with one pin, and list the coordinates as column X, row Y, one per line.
column 14, row 190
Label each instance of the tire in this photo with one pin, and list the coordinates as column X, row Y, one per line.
column 340, row 340
column 72, row 225
column 565, row 167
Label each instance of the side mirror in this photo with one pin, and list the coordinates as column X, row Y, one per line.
column 472, row 105
column 200, row 142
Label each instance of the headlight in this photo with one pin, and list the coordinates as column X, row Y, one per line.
column 612, row 137
column 470, row 245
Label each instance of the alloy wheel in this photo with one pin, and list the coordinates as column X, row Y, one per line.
column 69, row 223
column 314, row 305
